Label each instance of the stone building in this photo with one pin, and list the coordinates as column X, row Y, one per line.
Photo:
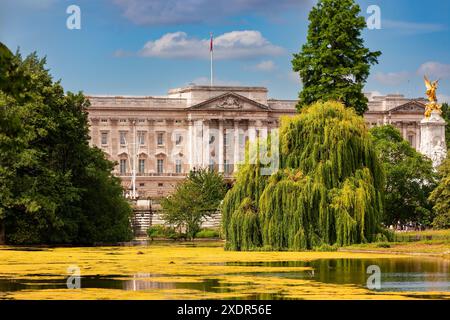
column 403, row 113
column 162, row 138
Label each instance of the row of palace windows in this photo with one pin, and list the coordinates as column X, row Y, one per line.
column 140, row 121
column 141, row 166
column 160, row 138
column 141, row 138
column 160, row 166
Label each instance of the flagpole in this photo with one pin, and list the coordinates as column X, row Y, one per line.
column 211, row 51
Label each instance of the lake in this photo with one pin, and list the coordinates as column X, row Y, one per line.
column 177, row 271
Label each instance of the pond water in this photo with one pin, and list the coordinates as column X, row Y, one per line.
column 397, row 274
column 414, row 274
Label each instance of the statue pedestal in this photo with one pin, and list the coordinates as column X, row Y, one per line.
column 432, row 138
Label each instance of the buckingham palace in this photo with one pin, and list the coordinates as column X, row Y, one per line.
column 157, row 140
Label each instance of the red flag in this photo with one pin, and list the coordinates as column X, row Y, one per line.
column 211, row 46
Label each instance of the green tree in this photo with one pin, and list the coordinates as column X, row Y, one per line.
column 409, row 178
column 329, row 188
column 334, row 63
column 195, row 199
column 54, row 187
column 446, row 116
column 440, row 197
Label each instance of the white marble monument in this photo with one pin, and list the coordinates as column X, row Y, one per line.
column 432, row 127
column 432, row 141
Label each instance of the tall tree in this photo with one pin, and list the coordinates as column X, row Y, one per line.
column 446, row 116
column 328, row 190
column 409, row 178
column 441, row 197
column 54, row 188
column 334, row 63
column 196, row 198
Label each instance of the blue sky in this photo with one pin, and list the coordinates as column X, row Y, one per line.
column 145, row 47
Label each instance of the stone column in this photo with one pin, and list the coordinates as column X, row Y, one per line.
column 191, row 144
column 236, row 145
column 220, row 159
column 252, row 141
column 432, row 138
column 263, row 132
column 198, row 141
column 418, row 136
column 205, row 144
column 251, row 132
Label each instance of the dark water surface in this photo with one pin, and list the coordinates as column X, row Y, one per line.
column 397, row 274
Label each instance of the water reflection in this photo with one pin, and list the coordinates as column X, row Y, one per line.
column 399, row 274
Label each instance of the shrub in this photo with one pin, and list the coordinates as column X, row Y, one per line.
column 156, row 232
column 385, row 236
column 326, row 248
column 208, row 233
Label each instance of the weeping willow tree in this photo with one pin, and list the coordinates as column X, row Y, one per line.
column 328, row 189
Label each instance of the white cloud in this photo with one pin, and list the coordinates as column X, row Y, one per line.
column 392, row 78
column 442, row 98
column 175, row 12
column 376, row 93
column 206, row 81
column 371, row 94
column 266, row 66
column 231, row 45
column 412, row 28
column 434, row 69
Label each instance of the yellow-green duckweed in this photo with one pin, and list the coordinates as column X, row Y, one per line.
column 183, row 272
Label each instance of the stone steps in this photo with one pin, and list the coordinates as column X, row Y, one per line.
column 143, row 219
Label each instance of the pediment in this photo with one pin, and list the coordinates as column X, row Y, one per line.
column 230, row 102
column 410, row 107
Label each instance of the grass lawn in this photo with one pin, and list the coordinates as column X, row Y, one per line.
column 428, row 242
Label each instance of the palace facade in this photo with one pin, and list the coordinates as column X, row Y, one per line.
column 156, row 141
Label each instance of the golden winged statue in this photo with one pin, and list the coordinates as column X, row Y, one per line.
column 431, row 93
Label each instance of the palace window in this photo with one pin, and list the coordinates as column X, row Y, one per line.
column 178, row 166
column 160, row 138
column 123, row 138
column 160, row 166
column 226, row 166
column 141, row 166
column 212, row 165
column 178, row 139
column 123, row 166
column 141, row 138
column 226, row 139
column 242, row 140
column 104, row 138
column 411, row 140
